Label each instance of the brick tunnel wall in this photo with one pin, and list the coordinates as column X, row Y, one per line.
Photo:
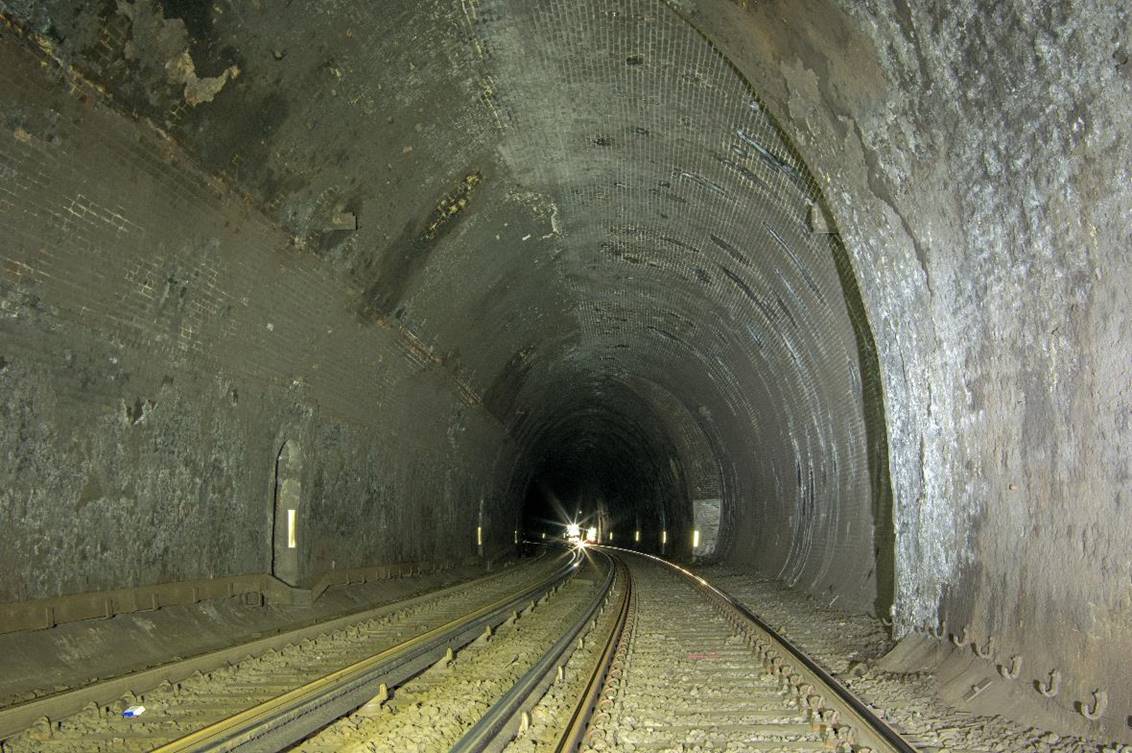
column 161, row 340
column 534, row 243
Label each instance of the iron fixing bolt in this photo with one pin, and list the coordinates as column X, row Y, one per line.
column 1096, row 711
column 961, row 640
column 1011, row 672
column 1050, row 689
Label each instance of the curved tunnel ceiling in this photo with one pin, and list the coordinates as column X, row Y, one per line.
column 679, row 246
column 583, row 213
column 600, row 200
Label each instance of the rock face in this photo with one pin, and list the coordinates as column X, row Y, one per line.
column 859, row 269
column 976, row 163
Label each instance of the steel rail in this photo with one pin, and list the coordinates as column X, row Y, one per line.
column 284, row 720
column 570, row 737
column 871, row 732
column 498, row 726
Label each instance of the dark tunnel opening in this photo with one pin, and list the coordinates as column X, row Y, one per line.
column 602, row 458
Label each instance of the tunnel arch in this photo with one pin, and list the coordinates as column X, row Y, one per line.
column 644, row 218
column 747, row 295
column 603, row 434
column 881, row 245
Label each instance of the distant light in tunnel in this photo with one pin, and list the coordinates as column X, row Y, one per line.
column 544, row 535
column 516, row 535
column 292, row 538
column 591, row 534
column 611, row 535
column 695, row 538
column 573, row 530
column 637, row 536
column 664, row 537
column 479, row 535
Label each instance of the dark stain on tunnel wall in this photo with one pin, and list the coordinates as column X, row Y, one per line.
column 500, row 397
column 194, row 13
column 240, row 131
column 876, row 432
column 393, row 272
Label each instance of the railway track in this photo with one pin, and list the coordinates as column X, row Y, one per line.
column 631, row 654
column 267, row 694
column 481, row 698
column 694, row 670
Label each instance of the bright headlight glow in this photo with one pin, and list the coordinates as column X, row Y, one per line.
column 573, row 530
column 591, row 534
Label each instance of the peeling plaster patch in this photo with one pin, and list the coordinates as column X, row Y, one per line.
column 452, row 204
column 159, row 43
column 544, row 209
column 199, row 90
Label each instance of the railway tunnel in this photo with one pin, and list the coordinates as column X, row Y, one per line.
column 827, row 296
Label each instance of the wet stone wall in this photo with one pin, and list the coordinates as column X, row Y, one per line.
column 978, row 162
